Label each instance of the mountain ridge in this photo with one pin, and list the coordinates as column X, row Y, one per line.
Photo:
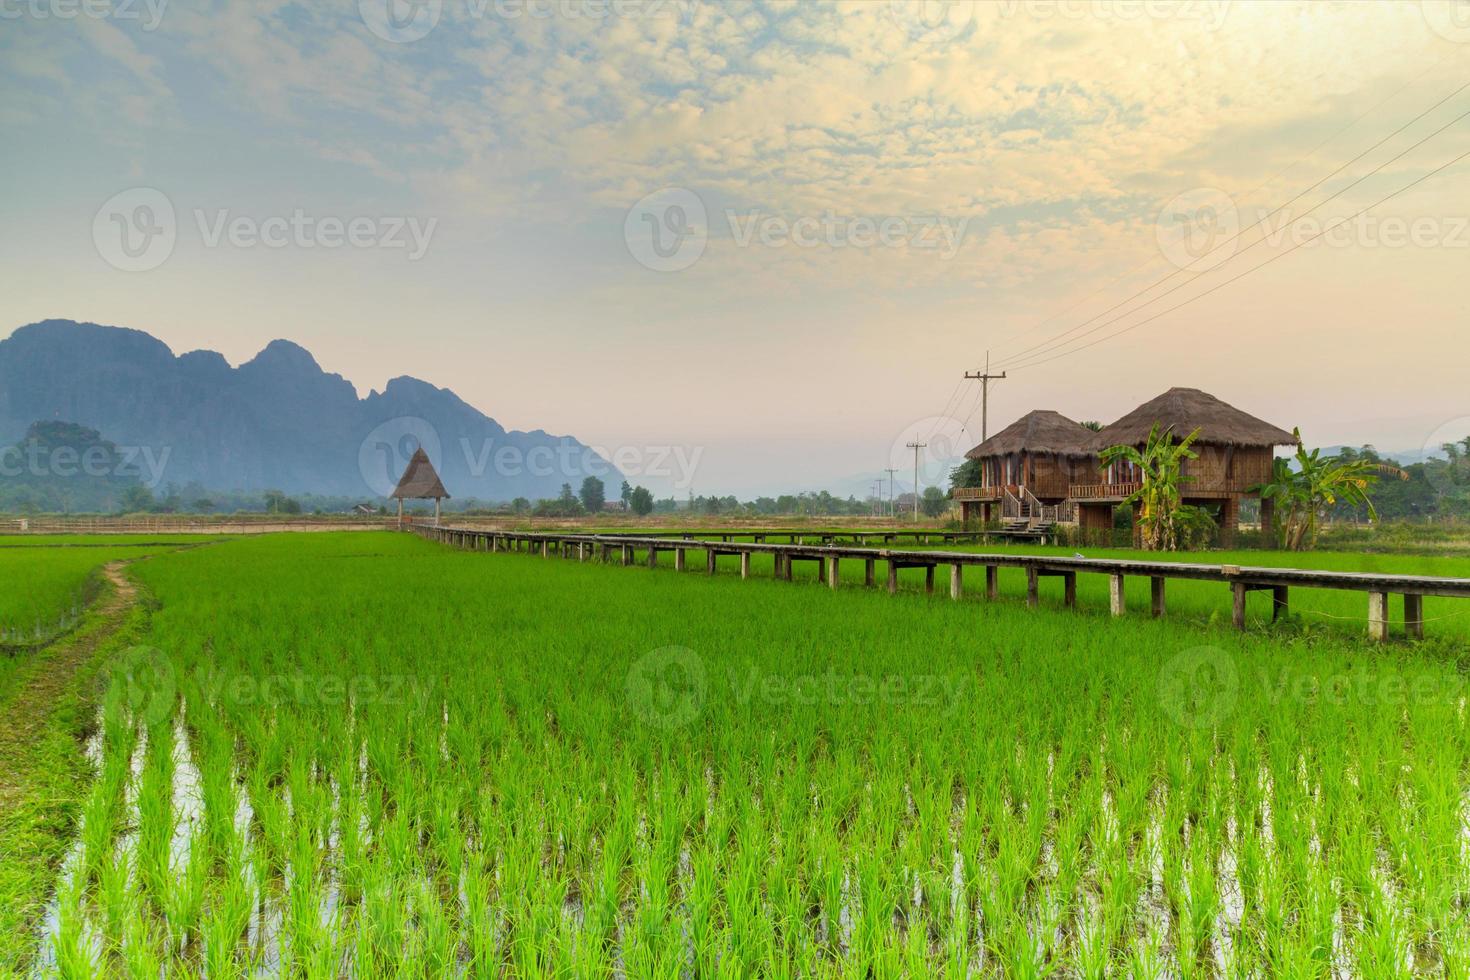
column 276, row 421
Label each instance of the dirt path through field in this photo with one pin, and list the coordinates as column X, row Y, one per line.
column 40, row 768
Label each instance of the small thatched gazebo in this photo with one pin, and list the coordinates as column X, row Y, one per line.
column 1042, row 454
column 420, row 482
column 1235, row 453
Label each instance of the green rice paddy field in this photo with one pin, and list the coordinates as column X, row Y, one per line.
column 369, row 755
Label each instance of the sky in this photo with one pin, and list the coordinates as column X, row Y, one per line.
column 766, row 237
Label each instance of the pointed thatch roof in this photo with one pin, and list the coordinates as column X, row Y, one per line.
column 1041, row 431
column 1187, row 409
column 419, row 481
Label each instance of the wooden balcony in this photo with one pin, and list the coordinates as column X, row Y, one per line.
column 983, row 493
column 1101, row 492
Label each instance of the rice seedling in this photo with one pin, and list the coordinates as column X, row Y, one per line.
column 468, row 772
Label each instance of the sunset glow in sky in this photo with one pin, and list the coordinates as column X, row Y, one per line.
column 778, row 232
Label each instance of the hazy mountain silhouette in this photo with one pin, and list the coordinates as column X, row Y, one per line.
column 277, row 421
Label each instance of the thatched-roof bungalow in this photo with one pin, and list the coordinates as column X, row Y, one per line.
column 420, row 482
column 1235, row 453
column 1037, row 458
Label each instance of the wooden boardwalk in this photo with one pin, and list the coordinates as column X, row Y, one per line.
column 1241, row 579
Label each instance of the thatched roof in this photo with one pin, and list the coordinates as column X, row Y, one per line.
column 419, row 481
column 1041, row 431
column 1187, row 409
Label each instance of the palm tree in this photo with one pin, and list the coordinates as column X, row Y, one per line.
column 1160, row 462
column 1319, row 482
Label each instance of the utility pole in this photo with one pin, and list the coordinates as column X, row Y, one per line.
column 891, row 470
column 985, row 377
column 916, row 446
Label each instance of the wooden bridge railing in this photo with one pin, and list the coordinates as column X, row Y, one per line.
column 1242, row 579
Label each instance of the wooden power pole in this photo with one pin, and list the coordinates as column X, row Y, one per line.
column 985, row 377
column 916, row 446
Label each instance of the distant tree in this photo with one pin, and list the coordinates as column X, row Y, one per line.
column 136, row 499
column 626, row 494
column 520, row 505
column 202, row 506
column 967, row 474
column 277, row 502
column 641, row 501
column 933, row 502
column 593, row 494
column 1317, row 483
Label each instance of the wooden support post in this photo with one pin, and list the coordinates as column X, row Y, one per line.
column 606, row 551
column 584, row 551
column 709, row 561
column 821, row 570
column 832, row 572
column 745, row 564
column 652, row 557
column 1115, row 595
column 956, row 581
column 1069, row 589
column 869, row 579
column 892, row 576
column 1033, row 594
column 928, row 579
column 1378, row 616
column 627, row 554
column 1156, row 596
column 1279, row 606
column 992, row 581
column 1414, row 616
column 545, row 548
column 1238, row 593
column 679, row 559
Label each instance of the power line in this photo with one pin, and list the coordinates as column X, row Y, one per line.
column 1015, row 360
column 1243, row 274
column 1153, row 260
column 1054, row 345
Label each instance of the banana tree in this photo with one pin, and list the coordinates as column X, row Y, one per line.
column 1316, row 483
column 1160, row 462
